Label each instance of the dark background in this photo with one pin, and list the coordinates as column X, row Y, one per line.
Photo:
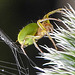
column 15, row 14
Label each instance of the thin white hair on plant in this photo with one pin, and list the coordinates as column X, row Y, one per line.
column 62, row 62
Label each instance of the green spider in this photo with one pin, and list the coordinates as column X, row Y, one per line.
column 32, row 32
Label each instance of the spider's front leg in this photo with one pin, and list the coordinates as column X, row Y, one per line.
column 52, row 12
column 39, row 22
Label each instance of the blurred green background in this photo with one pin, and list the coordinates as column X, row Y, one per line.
column 15, row 14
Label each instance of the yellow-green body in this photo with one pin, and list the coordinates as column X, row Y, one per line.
column 28, row 30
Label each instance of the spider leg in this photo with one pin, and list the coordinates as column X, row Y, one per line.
column 52, row 40
column 52, row 12
column 46, row 17
column 22, row 47
column 30, row 61
column 35, row 44
column 41, row 20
